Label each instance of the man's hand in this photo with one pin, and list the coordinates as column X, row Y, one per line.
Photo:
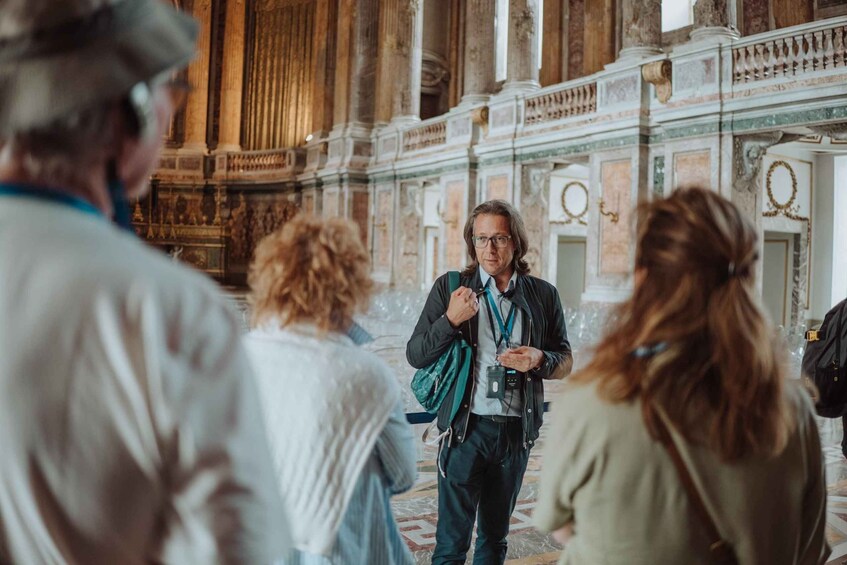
column 463, row 306
column 522, row 358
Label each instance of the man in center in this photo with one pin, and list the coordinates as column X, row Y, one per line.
column 516, row 328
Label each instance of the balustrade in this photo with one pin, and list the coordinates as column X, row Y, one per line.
column 794, row 53
column 563, row 103
column 425, row 135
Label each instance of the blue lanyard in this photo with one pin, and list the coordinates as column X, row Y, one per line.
column 505, row 329
column 49, row 195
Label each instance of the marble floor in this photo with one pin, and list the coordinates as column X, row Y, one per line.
column 416, row 510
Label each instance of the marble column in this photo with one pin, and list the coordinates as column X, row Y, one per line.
column 642, row 29
column 232, row 83
column 197, row 107
column 715, row 19
column 522, row 57
column 399, row 72
column 479, row 66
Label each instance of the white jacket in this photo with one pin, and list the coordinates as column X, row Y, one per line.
column 130, row 428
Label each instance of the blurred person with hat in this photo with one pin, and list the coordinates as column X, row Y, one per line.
column 130, row 428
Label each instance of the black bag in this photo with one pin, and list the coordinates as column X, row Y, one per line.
column 825, row 362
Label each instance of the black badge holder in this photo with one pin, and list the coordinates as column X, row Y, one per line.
column 499, row 379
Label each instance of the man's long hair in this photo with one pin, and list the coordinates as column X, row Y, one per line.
column 516, row 229
column 713, row 365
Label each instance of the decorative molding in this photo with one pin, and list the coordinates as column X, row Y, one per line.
column 835, row 131
column 780, row 207
column 572, row 216
column 659, row 74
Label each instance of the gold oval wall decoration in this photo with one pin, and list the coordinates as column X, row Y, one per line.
column 570, row 213
column 781, row 206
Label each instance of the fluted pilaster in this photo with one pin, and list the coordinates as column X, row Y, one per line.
column 197, row 107
column 232, row 84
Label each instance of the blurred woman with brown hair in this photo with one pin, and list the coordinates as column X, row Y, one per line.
column 338, row 433
column 688, row 384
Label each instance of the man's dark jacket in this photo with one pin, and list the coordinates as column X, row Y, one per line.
column 543, row 327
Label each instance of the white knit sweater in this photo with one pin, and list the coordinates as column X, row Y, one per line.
column 325, row 403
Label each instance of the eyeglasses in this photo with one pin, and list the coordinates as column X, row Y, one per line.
column 481, row 241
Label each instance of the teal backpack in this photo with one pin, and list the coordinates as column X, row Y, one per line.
column 431, row 384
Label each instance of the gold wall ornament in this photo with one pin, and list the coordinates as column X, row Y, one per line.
column 614, row 217
column 789, row 208
column 572, row 216
column 659, row 74
column 772, row 201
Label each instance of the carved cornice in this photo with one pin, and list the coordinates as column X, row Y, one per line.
column 836, row 131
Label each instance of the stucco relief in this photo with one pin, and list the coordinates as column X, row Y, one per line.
column 615, row 240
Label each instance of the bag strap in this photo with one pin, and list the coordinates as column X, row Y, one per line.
column 718, row 547
column 453, row 281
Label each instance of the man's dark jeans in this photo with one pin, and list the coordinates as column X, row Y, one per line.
column 485, row 471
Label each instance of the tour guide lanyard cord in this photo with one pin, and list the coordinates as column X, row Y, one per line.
column 505, row 329
column 46, row 194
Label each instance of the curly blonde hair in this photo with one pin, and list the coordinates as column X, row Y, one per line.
column 312, row 270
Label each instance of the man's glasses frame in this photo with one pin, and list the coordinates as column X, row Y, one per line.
column 499, row 241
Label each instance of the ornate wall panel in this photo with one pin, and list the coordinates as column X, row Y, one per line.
column 534, row 211
column 281, row 74
column 497, row 187
column 211, row 228
column 615, row 237
column 409, row 245
column 382, row 229
column 451, row 217
column 692, row 168
column 360, row 213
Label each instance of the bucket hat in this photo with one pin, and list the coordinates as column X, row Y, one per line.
column 88, row 53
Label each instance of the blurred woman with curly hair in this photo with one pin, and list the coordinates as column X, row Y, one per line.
column 334, row 414
column 682, row 441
